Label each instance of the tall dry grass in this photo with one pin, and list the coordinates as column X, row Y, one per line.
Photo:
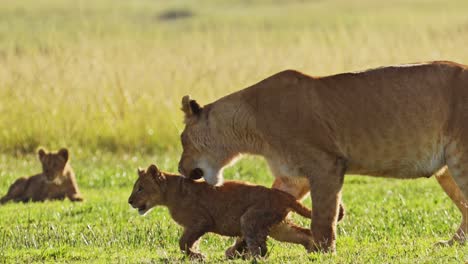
column 110, row 74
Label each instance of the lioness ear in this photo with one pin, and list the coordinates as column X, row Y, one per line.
column 190, row 107
column 63, row 152
column 41, row 153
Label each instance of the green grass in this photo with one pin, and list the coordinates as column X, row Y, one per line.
column 387, row 221
column 105, row 77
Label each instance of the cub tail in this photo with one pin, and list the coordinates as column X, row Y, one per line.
column 299, row 208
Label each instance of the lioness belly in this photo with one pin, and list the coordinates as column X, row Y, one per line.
column 416, row 150
column 391, row 125
column 412, row 165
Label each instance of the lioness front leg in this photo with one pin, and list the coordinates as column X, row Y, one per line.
column 325, row 187
column 188, row 240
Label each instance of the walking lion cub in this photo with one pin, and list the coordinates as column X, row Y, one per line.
column 56, row 181
column 235, row 209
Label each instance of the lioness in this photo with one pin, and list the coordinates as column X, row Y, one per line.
column 404, row 121
column 234, row 209
column 56, row 181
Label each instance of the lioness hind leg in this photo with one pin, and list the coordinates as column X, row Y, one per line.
column 287, row 231
column 455, row 183
column 451, row 189
column 297, row 187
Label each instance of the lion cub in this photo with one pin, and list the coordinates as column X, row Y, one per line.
column 56, row 181
column 234, row 209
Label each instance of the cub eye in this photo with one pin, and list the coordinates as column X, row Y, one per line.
column 140, row 189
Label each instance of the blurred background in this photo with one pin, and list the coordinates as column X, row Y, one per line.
column 109, row 74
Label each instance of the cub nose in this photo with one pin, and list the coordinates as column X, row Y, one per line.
column 130, row 201
column 181, row 170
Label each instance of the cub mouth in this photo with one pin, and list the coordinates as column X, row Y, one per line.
column 142, row 209
column 196, row 174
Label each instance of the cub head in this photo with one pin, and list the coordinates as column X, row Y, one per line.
column 53, row 163
column 205, row 144
column 148, row 190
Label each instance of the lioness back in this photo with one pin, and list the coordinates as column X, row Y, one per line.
column 390, row 121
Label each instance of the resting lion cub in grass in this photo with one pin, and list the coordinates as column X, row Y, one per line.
column 56, row 181
column 235, row 209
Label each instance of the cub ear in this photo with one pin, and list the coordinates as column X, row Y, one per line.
column 155, row 172
column 63, row 152
column 41, row 153
column 190, row 107
column 140, row 172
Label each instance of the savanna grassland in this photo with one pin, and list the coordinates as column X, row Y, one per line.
column 105, row 78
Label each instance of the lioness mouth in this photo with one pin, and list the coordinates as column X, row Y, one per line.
column 196, row 174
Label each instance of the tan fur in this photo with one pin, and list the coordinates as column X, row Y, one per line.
column 404, row 121
column 234, row 209
column 56, row 182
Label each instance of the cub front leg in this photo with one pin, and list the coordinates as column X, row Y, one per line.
column 238, row 250
column 187, row 241
column 73, row 192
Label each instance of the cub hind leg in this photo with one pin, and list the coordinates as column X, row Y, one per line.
column 16, row 192
column 255, row 226
column 237, row 250
column 286, row 231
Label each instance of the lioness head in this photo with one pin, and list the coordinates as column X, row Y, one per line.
column 205, row 152
column 148, row 190
column 53, row 163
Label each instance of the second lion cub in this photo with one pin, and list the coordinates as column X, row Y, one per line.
column 235, row 209
column 56, row 181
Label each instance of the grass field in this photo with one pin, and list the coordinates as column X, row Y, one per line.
column 105, row 78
